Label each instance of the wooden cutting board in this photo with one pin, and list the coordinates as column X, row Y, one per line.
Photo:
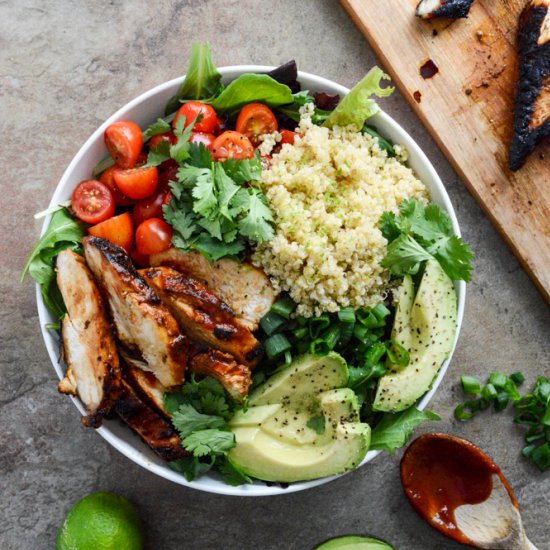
column 468, row 107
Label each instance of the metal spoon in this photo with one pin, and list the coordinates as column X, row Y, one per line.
column 462, row 493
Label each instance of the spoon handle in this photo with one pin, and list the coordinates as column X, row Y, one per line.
column 528, row 545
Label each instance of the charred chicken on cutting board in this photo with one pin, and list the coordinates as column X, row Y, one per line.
column 429, row 9
column 88, row 346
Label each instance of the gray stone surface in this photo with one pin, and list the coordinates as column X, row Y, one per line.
column 68, row 64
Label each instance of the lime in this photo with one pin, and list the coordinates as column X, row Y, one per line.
column 100, row 521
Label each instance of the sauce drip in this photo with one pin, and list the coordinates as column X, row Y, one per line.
column 440, row 473
column 417, row 96
column 428, row 69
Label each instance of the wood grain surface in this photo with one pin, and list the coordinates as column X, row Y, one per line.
column 468, row 108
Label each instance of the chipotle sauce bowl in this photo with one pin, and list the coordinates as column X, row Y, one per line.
column 440, row 472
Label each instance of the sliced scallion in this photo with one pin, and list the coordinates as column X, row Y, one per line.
column 470, row 385
column 347, row 315
column 498, row 380
column 284, row 307
column 271, row 322
column 489, row 392
column 517, row 378
column 466, row 411
column 276, row 345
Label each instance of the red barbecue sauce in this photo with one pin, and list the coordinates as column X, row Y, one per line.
column 428, row 69
column 440, row 472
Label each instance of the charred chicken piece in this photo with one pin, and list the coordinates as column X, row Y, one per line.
column 202, row 315
column 154, row 430
column 243, row 287
column 142, row 322
column 149, row 389
column 454, row 9
column 93, row 371
column 532, row 111
column 233, row 377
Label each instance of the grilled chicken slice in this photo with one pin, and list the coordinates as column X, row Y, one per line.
column 154, row 430
column 233, row 377
column 142, row 322
column 93, row 371
column 202, row 315
column 245, row 288
column 454, row 9
column 149, row 389
column 532, row 112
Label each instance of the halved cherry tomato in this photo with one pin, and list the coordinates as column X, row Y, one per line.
column 254, row 120
column 168, row 175
column 159, row 138
column 288, row 136
column 191, row 109
column 203, row 137
column 107, row 178
column 118, row 230
column 151, row 207
column 140, row 259
column 92, row 201
column 152, row 236
column 232, row 145
column 137, row 183
column 124, row 141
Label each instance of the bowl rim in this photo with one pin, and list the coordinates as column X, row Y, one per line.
column 132, row 451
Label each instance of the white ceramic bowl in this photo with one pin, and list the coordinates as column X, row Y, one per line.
column 145, row 109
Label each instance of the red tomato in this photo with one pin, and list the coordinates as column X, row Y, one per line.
column 152, row 236
column 159, row 138
column 137, row 183
column 191, row 109
column 168, row 175
column 118, row 230
column 108, row 180
column 141, row 260
column 254, row 120
column 92, row 201
column 124, row 142
column 151, row 207
column 203, row 137
column 232, row 145
column 288, row 136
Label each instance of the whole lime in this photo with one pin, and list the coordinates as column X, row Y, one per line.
column 100, row 521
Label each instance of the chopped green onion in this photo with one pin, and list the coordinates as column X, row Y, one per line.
column 288, row 357
column 319, row 346
column 545, row 421
column 360, row 332
column 498, row 380
column 346, row 333
column 528, row 451
column 541, row 456
column 378, row 371
column 347, row 315
column 331, row 336
column 466, row 410
column 367, row 318
column 489, row 392
column 375, row 353
column 284, row 307
column 470, row 385
column 501, row 401
column 534, row 437
column 276, row 345
column 380, row 311
column 300, row 332
column 318, row 324
column 517, row 378
column 357, row 375
column 271, row 322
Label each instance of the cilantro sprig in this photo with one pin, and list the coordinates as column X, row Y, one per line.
column 199, row 413
column 215, row 207
column 420, row 233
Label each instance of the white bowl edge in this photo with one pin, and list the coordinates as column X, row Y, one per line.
column 120, row 437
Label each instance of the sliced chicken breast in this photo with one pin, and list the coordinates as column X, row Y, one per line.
column 142, row 322
column 93, row 371
column 154, row 430
column 233, row 377
column 245, row 288
column 202, row 315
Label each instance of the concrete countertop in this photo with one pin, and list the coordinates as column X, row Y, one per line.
column 66, row 65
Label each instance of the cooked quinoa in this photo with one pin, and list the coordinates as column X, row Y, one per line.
column 327, row 193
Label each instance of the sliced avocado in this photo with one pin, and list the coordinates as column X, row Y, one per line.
column 275, row 440
column 353, row 542
column 432, row 327
column 401, row 330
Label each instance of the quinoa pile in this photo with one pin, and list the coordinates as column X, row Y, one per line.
column 327, row 193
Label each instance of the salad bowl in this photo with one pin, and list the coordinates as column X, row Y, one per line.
column 145, row 109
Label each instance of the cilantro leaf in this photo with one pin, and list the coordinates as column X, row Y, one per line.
column 199, row 156
column 158, row 127
column 256, row 225
column 204, row 194
column 210, row 441
column 214, row 249
column 243, row 170
column 317, row 424
column 157, row 155
column 191, row 467
column 394, row 430
column 232, row 475
column 188, row 420
column 419, row 234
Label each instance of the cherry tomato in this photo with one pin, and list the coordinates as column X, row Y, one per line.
column 108, row 180
column 118, row 230
column 151, row 207
column 141, row 260
column 203, row 137
column 254, row 120
column 168, row 175
column 137, row 183
column 288, row 136
column 191, row 109
column 124, row 142
column 152, row 236
column 232, row 145
column 92, row 201
column 159, row 138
